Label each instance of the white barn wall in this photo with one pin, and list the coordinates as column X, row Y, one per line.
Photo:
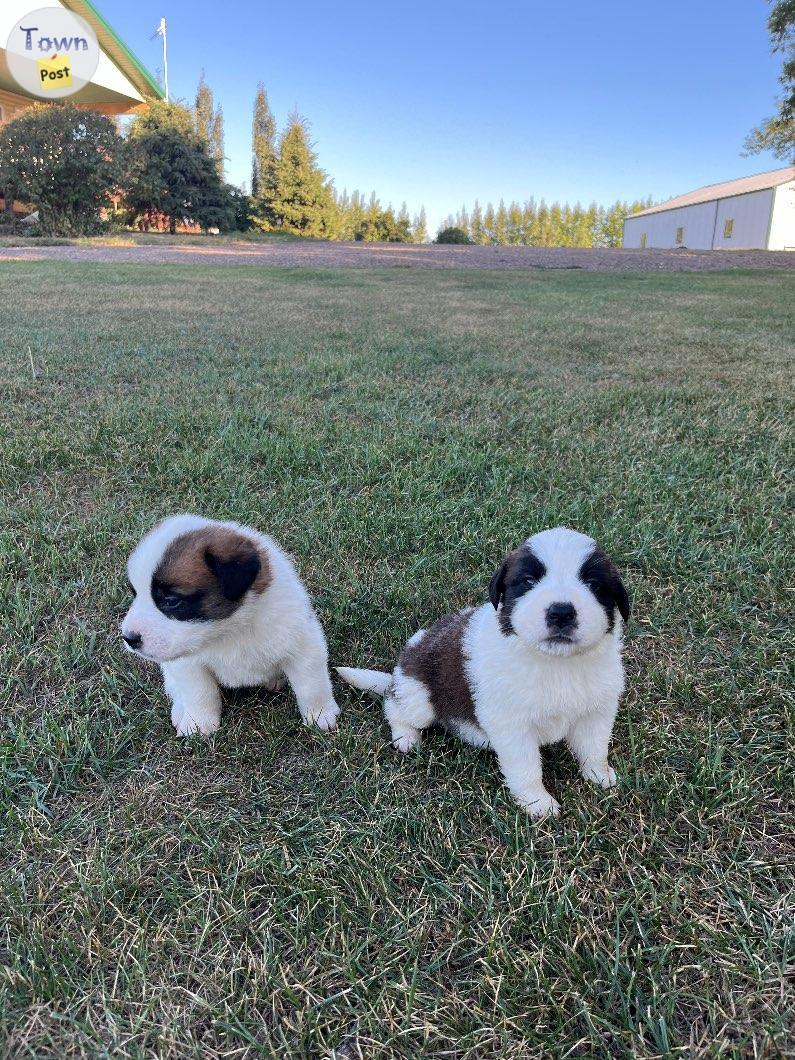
column 751, row 216
column 782, row 225
column 698, row 222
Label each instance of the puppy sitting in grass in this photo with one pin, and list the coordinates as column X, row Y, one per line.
column 540, row 663
column 221, row 604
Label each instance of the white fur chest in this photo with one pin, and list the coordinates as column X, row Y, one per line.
column 516, row 688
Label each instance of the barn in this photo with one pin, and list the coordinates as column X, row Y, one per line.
column 752, row 213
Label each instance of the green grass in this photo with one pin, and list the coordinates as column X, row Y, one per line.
column 275, row 892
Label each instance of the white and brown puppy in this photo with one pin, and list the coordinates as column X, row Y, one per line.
column 540, row 663
column 221, row 604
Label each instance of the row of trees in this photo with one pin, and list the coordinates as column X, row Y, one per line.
column 535, row 224
column 291, row 193
column 76, row 166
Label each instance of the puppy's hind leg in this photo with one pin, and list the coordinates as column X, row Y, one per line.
column 408, row 709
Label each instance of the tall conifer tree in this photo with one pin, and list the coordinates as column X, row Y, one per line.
column 263, row 150
column 302, row 198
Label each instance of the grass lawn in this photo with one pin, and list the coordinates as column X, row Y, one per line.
column 276, row 892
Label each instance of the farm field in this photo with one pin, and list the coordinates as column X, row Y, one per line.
column 280, row 892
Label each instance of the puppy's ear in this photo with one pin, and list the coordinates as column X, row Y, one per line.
column 621, row 595
column 235, row 568
column 497, row 585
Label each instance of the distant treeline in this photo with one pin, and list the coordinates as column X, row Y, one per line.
column 536, row 224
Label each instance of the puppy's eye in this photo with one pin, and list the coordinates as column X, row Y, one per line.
column 530, row 581
column 171, row 599
column 593, row 584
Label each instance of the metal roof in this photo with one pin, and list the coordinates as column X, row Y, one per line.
column 759, row 182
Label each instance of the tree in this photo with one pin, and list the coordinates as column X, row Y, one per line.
column 489, row 232
column 477, row 233
column 613, row 225
column 263, row 161
column 419, row 227
column 777, row 133
column 217, row 141
column 66, row 160
column 209, row 123
column 462, row 220
column 161, row 115
column 403, row 226
column 173, row 174
column 302, row 198
column 452, row 234
column 204, row 109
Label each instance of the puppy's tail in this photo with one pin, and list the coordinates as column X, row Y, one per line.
column 375, row 681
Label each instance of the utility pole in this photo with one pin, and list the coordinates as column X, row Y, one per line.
column 161, row 32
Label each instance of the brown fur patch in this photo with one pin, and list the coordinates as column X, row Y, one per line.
column 437, row 660
column 198, row 565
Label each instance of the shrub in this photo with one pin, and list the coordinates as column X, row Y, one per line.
column 65, row 160
column 453, row 235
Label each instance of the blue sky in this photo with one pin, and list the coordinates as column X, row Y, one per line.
column 441, row 103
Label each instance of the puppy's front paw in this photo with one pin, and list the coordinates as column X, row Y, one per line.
column 539, row 804
column 325, row 719
column 604, row 776
column 188, row 724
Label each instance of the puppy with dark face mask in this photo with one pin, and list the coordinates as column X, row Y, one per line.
column 540, row 663
column 219, row 604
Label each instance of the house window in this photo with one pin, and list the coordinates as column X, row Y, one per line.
column 680, row 236
column 643, row 241
column 728, row 228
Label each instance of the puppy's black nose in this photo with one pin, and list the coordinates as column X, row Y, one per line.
column 134, row 640
column 561, row 616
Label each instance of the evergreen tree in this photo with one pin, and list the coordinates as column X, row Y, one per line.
column 302, row 199
column 173, row 174
column 263, row 148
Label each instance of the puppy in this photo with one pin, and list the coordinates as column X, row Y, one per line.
column 540, row 663
column 220, row 604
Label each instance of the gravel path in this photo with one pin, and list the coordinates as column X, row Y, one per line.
column 313, row 254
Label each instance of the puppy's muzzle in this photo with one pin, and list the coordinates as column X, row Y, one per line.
column 132, row 640
column 561, row 619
